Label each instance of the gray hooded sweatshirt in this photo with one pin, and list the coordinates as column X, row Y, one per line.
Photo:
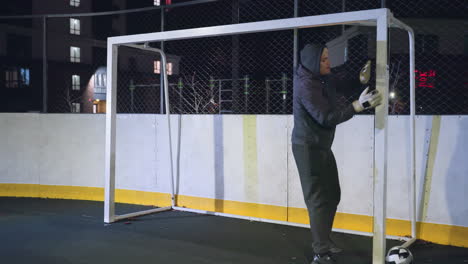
column 317, row 106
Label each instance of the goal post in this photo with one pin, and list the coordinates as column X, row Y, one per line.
column 110, row 153
column 382, row 19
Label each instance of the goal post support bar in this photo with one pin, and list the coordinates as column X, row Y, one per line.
column 381, row 18
column 110, row 152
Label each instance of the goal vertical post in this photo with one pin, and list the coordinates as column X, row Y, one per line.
column 380, row 143
column 111, row 97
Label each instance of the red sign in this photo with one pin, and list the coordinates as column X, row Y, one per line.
column 425, row 78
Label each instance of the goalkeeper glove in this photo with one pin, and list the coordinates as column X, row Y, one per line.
column 367, row 100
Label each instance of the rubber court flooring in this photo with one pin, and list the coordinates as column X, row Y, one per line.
column 70, row 231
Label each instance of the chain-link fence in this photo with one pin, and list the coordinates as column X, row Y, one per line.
column 57, row 64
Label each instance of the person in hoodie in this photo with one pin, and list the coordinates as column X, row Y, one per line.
column 318, row 107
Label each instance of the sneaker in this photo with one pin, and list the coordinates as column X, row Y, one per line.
column 334, row 249
column 323, row 259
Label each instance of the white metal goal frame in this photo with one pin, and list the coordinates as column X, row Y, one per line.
column 382, row 19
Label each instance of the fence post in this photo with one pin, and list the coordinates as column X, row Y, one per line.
column 45, row 91
column 236, row 104
column 220, row 89
column 161, row 87
column 284, row 89
column 296, row 33
column 246, row 94
column 131, row 87
column 267, row 87
column 180, row 85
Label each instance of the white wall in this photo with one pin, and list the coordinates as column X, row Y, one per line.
column 66, row 149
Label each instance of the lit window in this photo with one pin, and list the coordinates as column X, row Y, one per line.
column 75, row 3
column 100, row 80
column 169, row 68
column 157, row 2
column 76, row 108
column 17, row 77
column 100, row 83
column 75, row 27
column 11, row 79
column 24, row 74
column 157, row 67
column 75, row 82
column 75, row 54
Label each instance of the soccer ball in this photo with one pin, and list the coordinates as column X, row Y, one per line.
column 399, row 255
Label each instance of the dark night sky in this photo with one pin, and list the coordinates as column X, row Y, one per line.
column 23, row 7
column 417, row 8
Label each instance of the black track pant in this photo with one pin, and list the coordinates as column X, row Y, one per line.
column 321, row 189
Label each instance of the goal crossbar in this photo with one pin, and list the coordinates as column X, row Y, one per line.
column 382, row 19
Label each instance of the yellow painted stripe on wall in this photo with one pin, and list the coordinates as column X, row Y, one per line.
column 437, row 233
column 20, row 190
column 71, row 192
column 444, row 234
column 265, row 211
column 250, row 157
column 83, row 193
column 143, row 198
column 354, row 222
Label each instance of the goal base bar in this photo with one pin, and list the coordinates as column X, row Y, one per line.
column 408, row 240
column 146, row 212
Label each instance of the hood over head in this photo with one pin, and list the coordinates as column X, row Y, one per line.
column 310, row 57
